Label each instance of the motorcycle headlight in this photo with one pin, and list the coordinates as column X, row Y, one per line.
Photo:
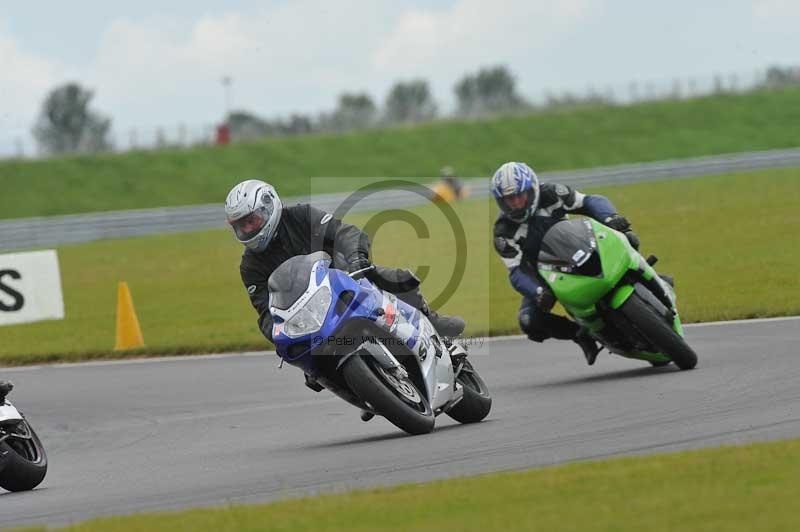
column 310, row 317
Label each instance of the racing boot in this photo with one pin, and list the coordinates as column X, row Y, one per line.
column 590, row 348
column 447, row 326
column 366, row 415
column 312, row 383
column 5, row 389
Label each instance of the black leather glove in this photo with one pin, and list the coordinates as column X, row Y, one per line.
column 545, row 299
column 618, row 223
column 359, row 262
column 633, row 239
column 621, row 224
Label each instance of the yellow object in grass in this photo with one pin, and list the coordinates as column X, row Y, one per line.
column 129, row 333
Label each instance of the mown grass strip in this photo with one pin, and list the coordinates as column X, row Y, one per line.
column 746, row 488
column 577, row 138
column 728, row 240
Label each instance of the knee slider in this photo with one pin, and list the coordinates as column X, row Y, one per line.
column 524, row 320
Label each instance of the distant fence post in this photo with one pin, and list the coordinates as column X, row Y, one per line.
column 733, row 82
column 677, row 89
column 719, row 84
column 634, row 91
column 182, row 134
column 161, row 139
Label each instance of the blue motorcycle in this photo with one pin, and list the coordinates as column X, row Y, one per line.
column 370, row 348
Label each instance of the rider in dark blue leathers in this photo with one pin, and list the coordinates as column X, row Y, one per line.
column 528, row 210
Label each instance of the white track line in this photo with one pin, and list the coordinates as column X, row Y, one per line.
column 187, row 358
column 685, row 326
column 739, row 322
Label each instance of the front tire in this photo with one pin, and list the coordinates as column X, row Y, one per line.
column 654, row 327
column 398, row 400
column 26, row 461
column 476, row 402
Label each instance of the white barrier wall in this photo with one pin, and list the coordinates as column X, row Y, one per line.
column 30, row 287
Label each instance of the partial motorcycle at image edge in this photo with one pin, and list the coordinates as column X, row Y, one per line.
column 23, row 461
column 614, row 293
column 370, row 348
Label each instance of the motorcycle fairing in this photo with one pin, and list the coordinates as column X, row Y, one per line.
column 567, row 246
column 624, row 272
column 407, row 326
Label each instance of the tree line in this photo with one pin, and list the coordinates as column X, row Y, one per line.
column 68, row 124
column 490, row 90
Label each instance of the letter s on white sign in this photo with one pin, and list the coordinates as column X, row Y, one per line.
column 30, row 287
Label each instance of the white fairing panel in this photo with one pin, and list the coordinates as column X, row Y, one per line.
column 437, row 368
column 9, row 413
column 431, row 354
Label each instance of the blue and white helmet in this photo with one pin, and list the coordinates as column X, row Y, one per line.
column 253, row 209
column 515, row 188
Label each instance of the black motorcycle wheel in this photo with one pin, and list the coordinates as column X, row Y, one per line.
column 476, row 402
column 24, row 457
column 656, row 329
column 396, row 399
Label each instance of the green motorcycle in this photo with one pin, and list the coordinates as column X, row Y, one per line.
column 614, row 293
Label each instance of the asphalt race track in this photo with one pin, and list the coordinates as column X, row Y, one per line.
column 154, row 435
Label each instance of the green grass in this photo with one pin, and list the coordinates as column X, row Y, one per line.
column 730, row 241
column 732, row 489
column 550, row 140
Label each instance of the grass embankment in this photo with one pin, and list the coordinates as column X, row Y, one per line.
column 549, row 140
column 733, row 489
column 728, row 240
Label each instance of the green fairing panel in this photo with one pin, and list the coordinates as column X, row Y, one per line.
column 677, row 325
column 621, row 296
column 579, row 293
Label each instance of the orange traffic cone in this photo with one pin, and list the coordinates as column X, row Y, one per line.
column 129, row 334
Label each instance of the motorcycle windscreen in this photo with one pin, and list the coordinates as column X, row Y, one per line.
column 290, row 280
column 570, row 245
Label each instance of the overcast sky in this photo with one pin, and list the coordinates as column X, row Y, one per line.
column 153, row 62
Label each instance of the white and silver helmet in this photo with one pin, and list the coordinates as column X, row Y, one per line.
column 515, row 187
column 253, row 209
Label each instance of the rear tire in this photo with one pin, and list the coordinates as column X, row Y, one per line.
column 373, row 385
column 476, row 402
column 26, row 461
column 654, row 327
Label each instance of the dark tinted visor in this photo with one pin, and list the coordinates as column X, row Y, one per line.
column 249, row 226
